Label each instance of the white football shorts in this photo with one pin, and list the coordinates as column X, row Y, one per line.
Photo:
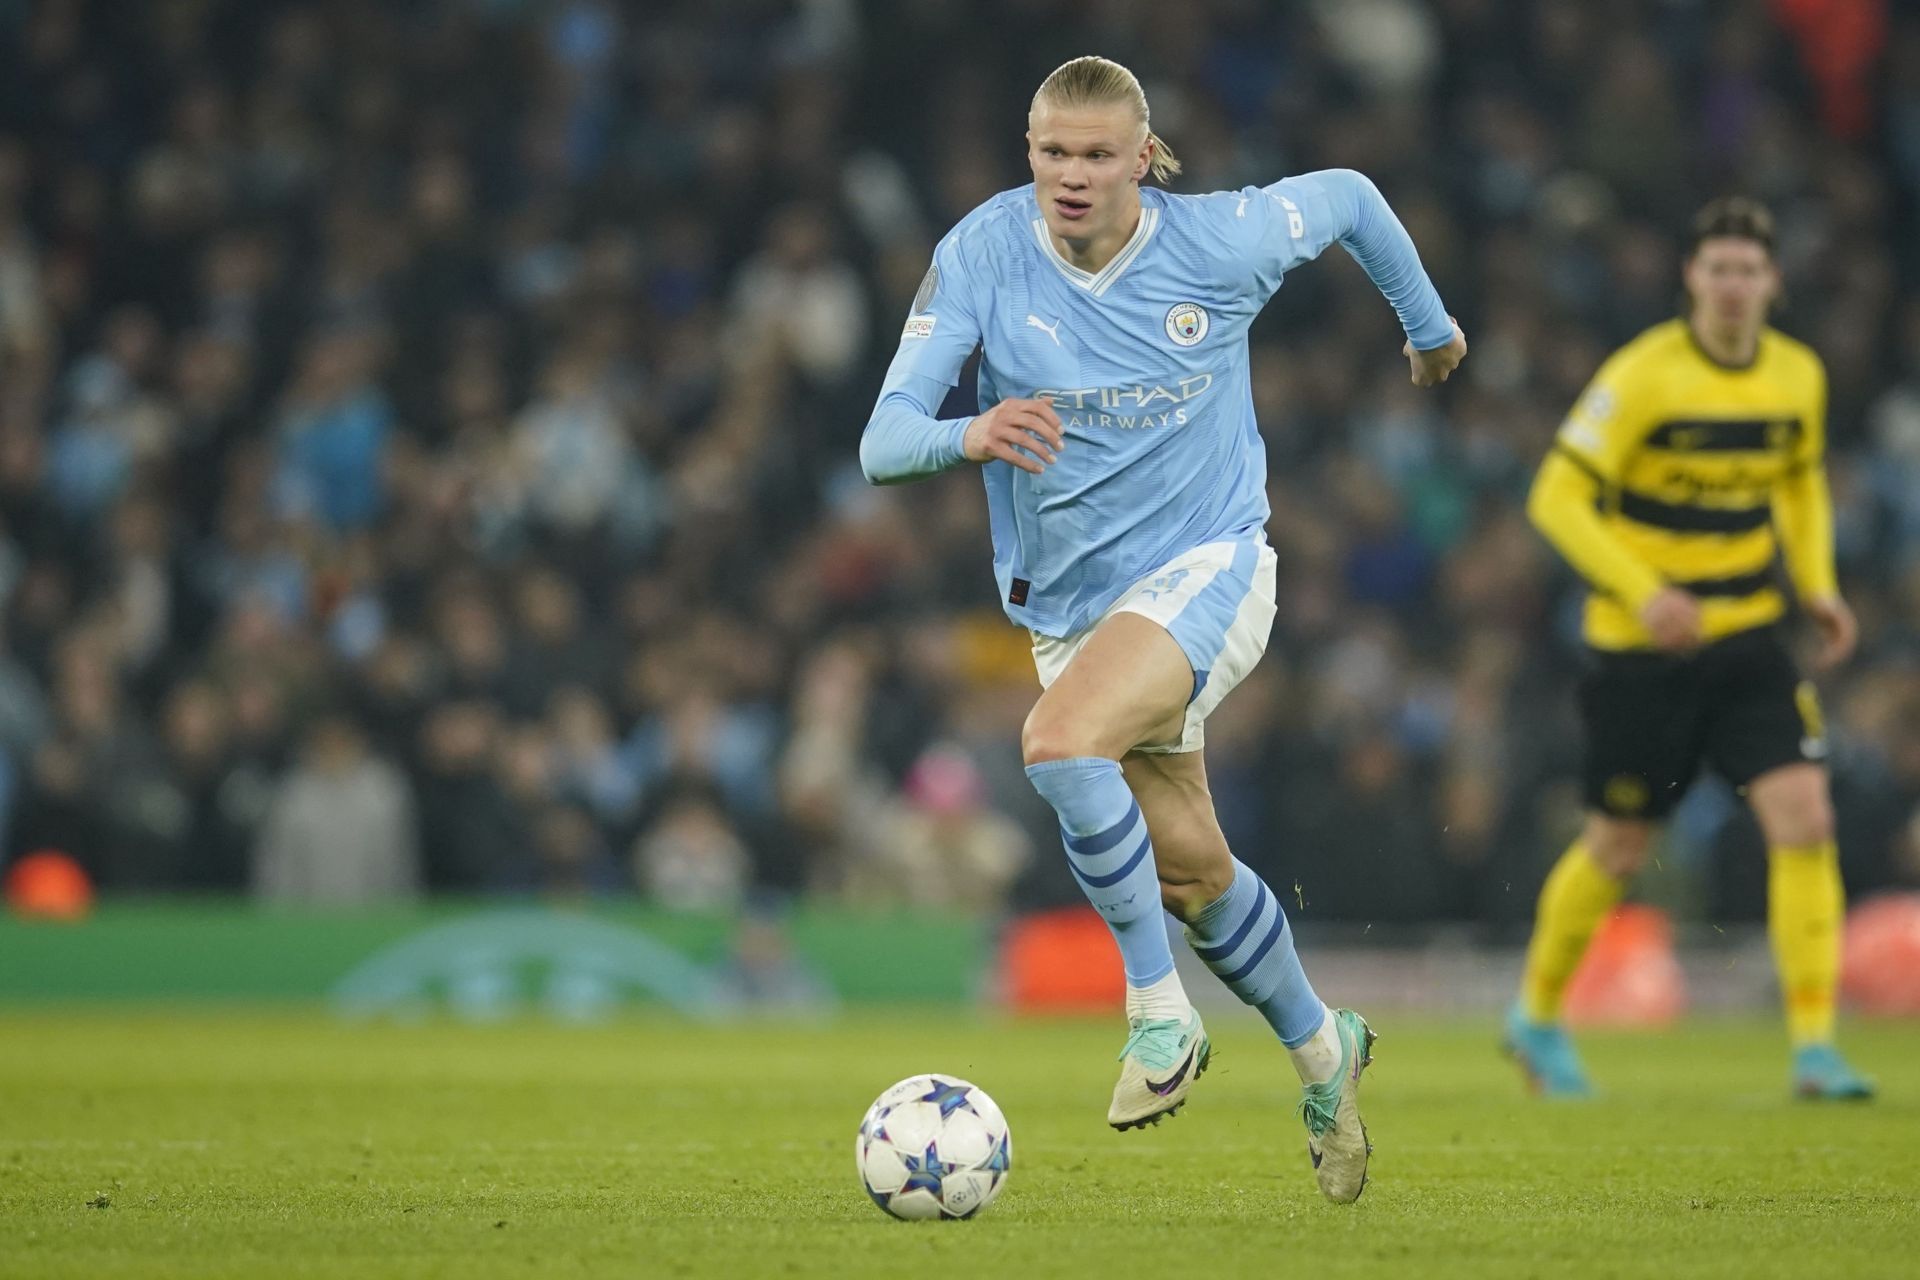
column 1216, row 601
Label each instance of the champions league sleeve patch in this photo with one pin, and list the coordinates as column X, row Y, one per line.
column 919, row 321
column 929, row 285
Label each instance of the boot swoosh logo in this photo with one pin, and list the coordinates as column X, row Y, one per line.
column 1315, row 1153
column 1172, row 1082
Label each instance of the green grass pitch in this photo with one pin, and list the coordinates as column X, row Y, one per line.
column 283, row 1146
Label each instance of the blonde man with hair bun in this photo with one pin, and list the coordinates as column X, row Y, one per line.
column 1126, row 483
column 1097, row 82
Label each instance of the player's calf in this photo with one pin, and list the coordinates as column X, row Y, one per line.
column 1110, row 853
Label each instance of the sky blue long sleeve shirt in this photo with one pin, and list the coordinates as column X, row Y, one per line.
column 1146, row 363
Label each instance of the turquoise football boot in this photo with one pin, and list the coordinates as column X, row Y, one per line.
column 1336, row 1138
column 1820, row 1074
column 1545, row 1053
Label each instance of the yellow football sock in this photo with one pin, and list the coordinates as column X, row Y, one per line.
column 1575, row 899
column 1805, row 907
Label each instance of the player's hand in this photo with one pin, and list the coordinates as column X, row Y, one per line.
column 1026, row 433
column 1839, row 633
column 1431, row 368
column 1673, row 619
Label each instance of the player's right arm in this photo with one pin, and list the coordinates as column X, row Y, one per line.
column 903, row 439
column 1585, row 461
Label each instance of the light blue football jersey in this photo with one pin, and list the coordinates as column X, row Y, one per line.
column 1146, row 363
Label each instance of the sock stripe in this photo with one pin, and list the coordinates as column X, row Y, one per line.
column 1259, row 952
column 1106, row 861
column 1270, row 977
column 1100, row 842
column 1212, row 955
column 1110, row 852
column 1107, row 881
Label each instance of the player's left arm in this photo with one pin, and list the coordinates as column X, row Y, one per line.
column 1305, row 214
column 1803, row 517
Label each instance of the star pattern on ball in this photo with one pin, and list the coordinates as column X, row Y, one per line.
column 926, row 1172
column 1001, row 1160
column 948, row 1097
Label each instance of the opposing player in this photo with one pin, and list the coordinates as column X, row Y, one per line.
column 1694, row 457
column 1126, row 483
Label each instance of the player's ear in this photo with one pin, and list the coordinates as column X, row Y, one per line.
column 1687, row 265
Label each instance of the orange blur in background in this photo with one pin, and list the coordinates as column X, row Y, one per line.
column 48, row 885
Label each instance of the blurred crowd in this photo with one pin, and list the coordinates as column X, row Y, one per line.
column 427, row 434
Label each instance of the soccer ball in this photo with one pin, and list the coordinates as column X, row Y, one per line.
column 933, row 1146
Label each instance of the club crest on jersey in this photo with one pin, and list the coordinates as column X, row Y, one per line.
column 1187, row 323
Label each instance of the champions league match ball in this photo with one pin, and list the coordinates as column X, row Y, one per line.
column 933, row 1146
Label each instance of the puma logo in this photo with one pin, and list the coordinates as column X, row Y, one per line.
column 1051, row 330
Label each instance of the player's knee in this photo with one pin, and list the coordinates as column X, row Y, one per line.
column 1807, row 822
column 1618, row 847
column 1793, row 806
column 1047, row 736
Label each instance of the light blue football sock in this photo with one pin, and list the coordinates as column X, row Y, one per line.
column 1111, row 856
column 1244, row 937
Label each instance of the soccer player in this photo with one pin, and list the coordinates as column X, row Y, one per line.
column 1691, row 461
column 1126, row 486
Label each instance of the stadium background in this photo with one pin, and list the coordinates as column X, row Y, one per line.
column 427, row 442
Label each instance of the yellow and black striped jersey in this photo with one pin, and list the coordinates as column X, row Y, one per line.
column 1675, row 469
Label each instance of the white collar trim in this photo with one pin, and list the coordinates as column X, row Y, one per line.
column 1098, row 283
